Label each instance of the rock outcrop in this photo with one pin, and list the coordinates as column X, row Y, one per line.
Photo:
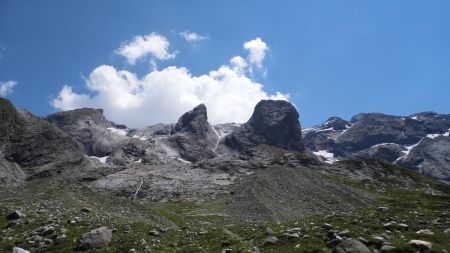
column 193, row 136
column 100, row 137
column 89, row 127
column 273, row 122
column 431, row 156
column 35, row 145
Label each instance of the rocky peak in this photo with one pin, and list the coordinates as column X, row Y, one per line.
column 336, row 123
column 193, row 136
column 194, row 121
column 273, row 122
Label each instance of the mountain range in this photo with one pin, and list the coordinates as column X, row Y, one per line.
column 267, row 169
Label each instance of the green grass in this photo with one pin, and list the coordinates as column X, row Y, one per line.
column 205, row 227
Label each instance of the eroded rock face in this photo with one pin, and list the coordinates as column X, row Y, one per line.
column 89, row 127
column 431, row 156
column 38, row 147
column 193, row 136
column 274, row 122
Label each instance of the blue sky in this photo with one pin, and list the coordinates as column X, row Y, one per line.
column 333, row 58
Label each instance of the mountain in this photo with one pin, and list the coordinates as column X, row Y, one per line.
column 75, row 181
column 419, row 141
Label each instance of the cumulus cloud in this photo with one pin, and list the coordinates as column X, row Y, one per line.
column 162, row 96
column 140, row 47
column 7, row 87
column 192, row 36
column 257, row 51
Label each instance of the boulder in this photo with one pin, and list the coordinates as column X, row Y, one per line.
column 387, row 249
column 271, row 240
column 20, row 250
column 420, row 245
column 95, row 239
column 15, row 215
column 351, row 246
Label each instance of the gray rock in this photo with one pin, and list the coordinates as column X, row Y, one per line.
column 425, row 232
column 193, row 136
column 430, row 157
column 274, row 123
column 344, row 232
column 291, row 235
column 95, row 239
column 327, row 226
column 20, row 250
column 39, row 148
column 271, row 240
column 387, row 249
column 269, row 231
column 15, row 215
column 351, row 246
column 89, row 127
column 153, row 232
column 363, row 240
column 420, row 245
column 85, row 210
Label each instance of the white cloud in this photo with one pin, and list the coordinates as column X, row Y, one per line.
column 141, row 46
column 7, row 87
column 257, row 51
column 192, row 36
column 164, row 95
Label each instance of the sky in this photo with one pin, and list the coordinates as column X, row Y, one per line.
column 146, row 62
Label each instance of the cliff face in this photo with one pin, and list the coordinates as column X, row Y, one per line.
column 34, row 144
column 273, row 123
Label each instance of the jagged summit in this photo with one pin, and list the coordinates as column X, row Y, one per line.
column 194, row 121
column 193, row 136
column 273, row 122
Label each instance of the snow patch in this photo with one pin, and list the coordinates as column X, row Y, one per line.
column 122, row 132
column 329, row 157
column 325, row 130
column 407, row 151
column 414, row 118
column 432, row 136
column 139, row 137
column 101, row 159
column 182, row 160
column 383, row 144
column 219, row 137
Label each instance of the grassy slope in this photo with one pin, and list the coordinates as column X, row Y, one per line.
column 205, row 227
